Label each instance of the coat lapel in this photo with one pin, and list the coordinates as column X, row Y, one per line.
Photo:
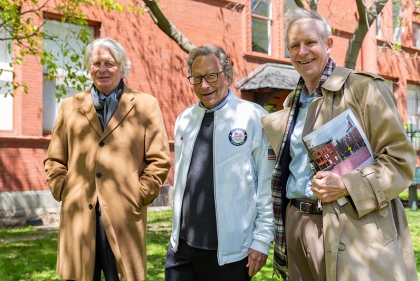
column 274, row 126
column 90, row 113
column 125, row 105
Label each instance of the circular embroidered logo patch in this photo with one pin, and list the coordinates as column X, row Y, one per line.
column 238, row 136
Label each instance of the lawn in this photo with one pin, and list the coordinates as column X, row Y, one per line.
column 29, row 254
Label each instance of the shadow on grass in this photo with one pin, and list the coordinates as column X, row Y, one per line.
column 30, row 254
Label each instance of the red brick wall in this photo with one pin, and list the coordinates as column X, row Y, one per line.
column 21, row 164
column 159, row 68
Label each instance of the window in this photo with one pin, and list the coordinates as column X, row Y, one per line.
column 261, row 26
column 6, row 47
column 379, row 31
column 6, row 102
column 263, row 32
column 64, row 36
column 397, row 21
column 389, row 84
column 416, row 35
column 288, row 4
column 6, row 79
column 413, row 106
column 413, row 114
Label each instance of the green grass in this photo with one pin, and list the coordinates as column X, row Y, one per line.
column 414, row 225
column 29, row 254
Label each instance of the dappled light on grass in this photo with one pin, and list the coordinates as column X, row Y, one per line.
column 158, row 232
column 30, row 254
column 414, row 225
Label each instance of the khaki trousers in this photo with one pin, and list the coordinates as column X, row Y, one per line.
column 305, row 245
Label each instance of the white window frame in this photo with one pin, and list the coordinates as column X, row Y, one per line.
column 397, row 29
column 269, row 21
column 288, row 4
column 50, row 103
column 379, row 30
column 6, row 78
column 413, row 105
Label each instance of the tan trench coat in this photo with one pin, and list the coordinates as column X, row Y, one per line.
column 123, row 168
column 363, row 242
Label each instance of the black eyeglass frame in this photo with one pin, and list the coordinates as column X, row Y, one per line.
column 204, row 76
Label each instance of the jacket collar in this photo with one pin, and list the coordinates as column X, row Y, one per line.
column 223, row 113
column 333, row 84
column 125, row 105
column 337, row 79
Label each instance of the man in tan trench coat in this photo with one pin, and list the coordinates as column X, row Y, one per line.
column 366, row 237
column 108, row 157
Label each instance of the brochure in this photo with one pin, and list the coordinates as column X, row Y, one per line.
column 339, row 146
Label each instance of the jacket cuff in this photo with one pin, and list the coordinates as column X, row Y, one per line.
column 260, row 247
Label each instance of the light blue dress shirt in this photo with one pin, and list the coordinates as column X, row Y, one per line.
column 102, row 96
column 299, row 181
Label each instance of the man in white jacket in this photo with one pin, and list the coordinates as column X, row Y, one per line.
column 222, row 223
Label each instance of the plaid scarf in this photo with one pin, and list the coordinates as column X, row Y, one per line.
column 280, row 255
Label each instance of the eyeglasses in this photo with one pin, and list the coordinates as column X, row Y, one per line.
column 210, row 78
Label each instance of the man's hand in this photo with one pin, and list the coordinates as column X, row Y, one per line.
column 328, row 186
column 256, row 260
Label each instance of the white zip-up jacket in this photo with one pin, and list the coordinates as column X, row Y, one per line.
column 242, row 177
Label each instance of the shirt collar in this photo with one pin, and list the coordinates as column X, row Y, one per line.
column 219, row 106
column 112, row 95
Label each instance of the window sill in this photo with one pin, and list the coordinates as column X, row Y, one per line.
column 405, row 48
column 264, row 57
column 236, row 3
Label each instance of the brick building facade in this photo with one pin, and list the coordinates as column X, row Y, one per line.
column 159, row 68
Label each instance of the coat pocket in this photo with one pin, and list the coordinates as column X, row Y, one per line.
column 135, row 187
column 386, row 226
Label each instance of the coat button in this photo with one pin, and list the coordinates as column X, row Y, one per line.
column 341, row 247
column 98, row 175
column 90, row 206
column 101, row 144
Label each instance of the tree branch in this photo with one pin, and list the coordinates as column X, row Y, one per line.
column 167, row 27
column 299, row 3
column 313, row 4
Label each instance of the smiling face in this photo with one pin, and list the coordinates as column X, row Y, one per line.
column 106, row 73
column 308, row 51
column 210, row 94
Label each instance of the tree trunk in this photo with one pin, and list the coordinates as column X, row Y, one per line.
column 366, row 18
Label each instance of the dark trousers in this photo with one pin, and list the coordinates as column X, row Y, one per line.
column 105, row 259
column 192, row 264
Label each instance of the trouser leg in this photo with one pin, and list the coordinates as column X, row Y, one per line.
column 192, row 264
column 105, row 259
column 305, row 246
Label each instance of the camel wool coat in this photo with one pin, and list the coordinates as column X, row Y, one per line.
column 122, row 168
column 368, row 238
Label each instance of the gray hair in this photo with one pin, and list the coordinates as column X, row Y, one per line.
column 294, row 15
column 208, row 49
column 116, row 50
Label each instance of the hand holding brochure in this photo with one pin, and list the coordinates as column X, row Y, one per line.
column 339, row 146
